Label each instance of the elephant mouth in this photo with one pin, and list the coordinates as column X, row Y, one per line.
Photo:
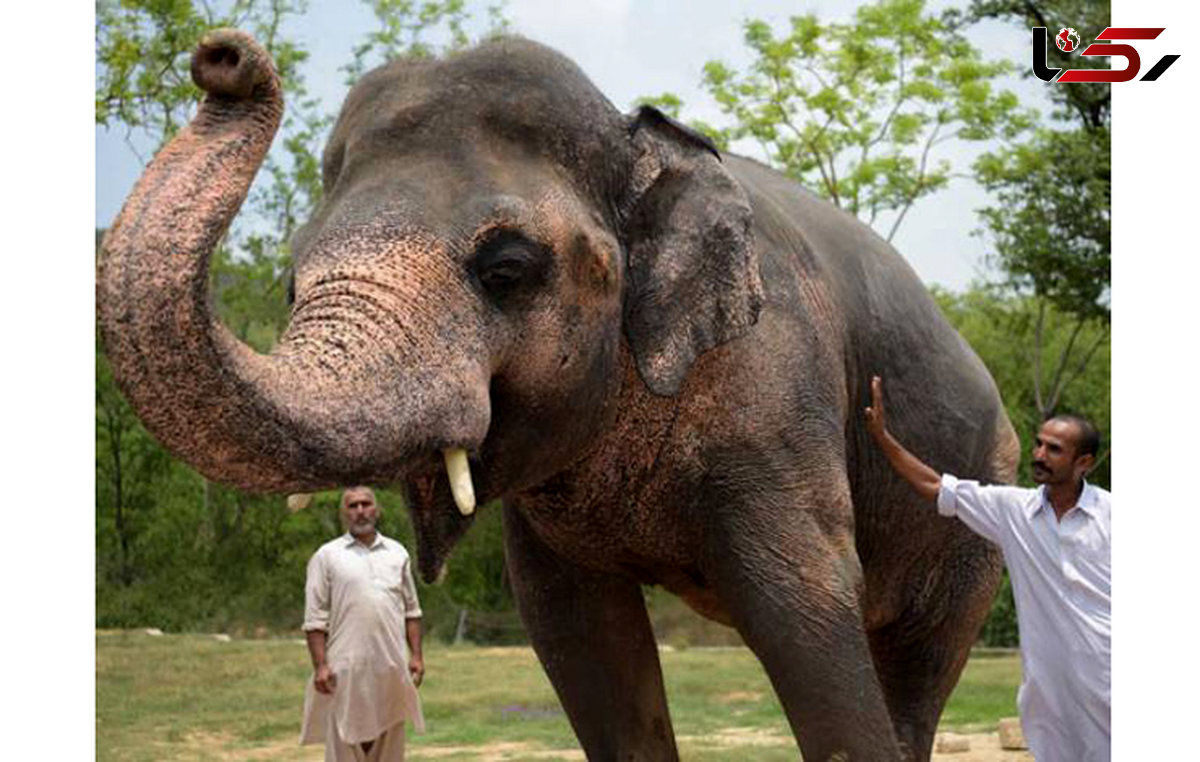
column 435, row 505
column 456, row 466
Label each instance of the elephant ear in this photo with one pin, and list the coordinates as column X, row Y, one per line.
column 692, row 271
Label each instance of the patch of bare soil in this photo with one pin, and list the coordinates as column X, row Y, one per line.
column 737, row 697
column 507, row 751
column 735, row 738
column 984, row 747
column 221, row 746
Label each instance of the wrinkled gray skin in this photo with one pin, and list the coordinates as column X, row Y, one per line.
column 656, row 356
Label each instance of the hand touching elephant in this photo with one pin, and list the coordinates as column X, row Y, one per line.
column 655, row 353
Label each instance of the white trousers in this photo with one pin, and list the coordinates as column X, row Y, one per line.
column 389, row 747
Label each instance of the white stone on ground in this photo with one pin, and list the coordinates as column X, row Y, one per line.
column 949, row 743
column 1011, row 736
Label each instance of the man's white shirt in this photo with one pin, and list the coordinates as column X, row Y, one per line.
column 1060, row 573
column 360, row 597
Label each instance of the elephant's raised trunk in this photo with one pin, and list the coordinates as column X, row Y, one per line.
column 285, row 422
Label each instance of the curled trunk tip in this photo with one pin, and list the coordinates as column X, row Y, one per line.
column 231, row 63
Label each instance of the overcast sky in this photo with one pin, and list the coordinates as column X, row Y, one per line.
column 633, row 49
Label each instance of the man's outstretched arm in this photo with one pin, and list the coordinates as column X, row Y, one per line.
column 923, row 479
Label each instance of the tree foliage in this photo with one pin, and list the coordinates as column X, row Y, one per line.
column 858, row 111
column 144, row 49
column 1051, row 236
column 1050, row 230
column 1088, row 104
column 1050, row 226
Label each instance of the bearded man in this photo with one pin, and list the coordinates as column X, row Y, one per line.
column 362, row 621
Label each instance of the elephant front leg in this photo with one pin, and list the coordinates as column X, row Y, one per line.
column 593, row 637
column 790, row 580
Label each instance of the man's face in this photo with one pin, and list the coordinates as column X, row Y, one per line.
column 1055, row 454
column 360, row 512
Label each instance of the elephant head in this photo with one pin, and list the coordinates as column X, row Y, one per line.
column 493, row 235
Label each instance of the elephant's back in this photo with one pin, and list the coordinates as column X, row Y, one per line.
column 941, row 397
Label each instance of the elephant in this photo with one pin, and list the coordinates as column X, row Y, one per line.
column 652, row 352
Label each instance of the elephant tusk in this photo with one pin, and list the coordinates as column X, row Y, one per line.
column 459, row 472
column 299, row 501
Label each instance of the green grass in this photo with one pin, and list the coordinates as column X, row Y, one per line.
column 986, row 692
column 190, row 697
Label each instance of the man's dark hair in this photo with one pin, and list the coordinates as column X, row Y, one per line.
column 1089, row 437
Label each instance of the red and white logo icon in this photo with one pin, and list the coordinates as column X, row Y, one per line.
column 1067, row 39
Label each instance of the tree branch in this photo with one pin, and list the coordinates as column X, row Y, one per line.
column 784, row 119
column 920, row 184
column 1037, row 358
column 1087, row 358
column 900, row 99
column 1064, row 357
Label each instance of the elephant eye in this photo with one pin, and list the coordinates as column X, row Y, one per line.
column 510, row 264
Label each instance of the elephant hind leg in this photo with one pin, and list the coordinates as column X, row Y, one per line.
column 920, row 655
column 593, row 637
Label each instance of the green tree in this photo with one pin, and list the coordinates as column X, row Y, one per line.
column 1050, row 229
column 143, row 54
column 128, row 461
column 858, row 111
column 1086, row 104
column 1050, row 233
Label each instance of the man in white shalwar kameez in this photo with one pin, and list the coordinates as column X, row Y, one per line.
column 362, row 621
column 1056, row 542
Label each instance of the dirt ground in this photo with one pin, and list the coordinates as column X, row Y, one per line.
column 984, row 747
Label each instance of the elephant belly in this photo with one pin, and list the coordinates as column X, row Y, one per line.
column 699, row 597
